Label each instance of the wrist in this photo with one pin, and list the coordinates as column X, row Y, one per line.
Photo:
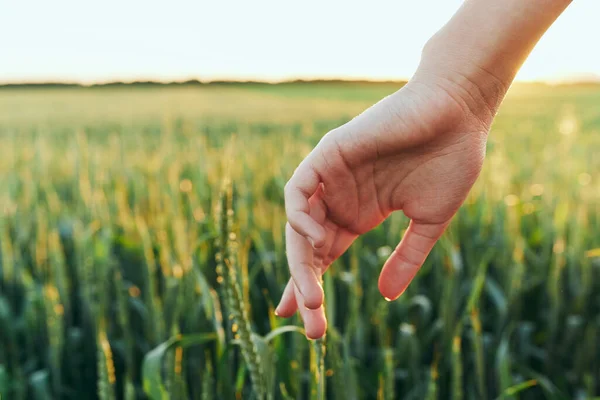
column 465, row 76
column 477, row 54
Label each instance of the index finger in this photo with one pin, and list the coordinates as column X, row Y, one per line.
column 301, row 186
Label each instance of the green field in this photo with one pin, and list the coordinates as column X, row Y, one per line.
column 131, row 269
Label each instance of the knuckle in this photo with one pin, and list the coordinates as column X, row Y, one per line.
column 293, row 222
column 287, row 189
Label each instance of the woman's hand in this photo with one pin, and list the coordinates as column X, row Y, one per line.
column 419, row 150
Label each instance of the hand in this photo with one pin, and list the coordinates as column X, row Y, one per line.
column 419, row 150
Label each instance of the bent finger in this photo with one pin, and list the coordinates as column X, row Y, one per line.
column 299, row 189
column 305, row 276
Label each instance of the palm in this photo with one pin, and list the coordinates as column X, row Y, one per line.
column 417, row 151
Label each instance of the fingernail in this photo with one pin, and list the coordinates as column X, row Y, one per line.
column 276, row 312
column 312, row 242
column 388, row 299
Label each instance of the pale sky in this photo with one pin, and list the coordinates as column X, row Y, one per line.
column 79, row 40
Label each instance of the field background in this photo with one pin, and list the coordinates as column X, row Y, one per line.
column 110, row 219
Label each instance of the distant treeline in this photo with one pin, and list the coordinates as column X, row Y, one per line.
column 192, row 82
column 195, row 82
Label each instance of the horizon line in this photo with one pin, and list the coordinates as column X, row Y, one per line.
column 592, row 79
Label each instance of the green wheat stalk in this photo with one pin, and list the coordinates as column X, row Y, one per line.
column 227, row 272
column 317, row 367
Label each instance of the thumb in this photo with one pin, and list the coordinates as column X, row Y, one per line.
column 403, row 264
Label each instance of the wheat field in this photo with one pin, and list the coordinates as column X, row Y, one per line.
column 142, row 252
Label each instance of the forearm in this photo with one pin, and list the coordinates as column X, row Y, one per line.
column 485, row 43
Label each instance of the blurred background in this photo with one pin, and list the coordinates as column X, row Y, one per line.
column 266, row 40
column 144, row 147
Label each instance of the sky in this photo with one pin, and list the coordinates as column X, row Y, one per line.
column 84, row 41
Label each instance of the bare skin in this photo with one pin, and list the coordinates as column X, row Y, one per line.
column 418, row 151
